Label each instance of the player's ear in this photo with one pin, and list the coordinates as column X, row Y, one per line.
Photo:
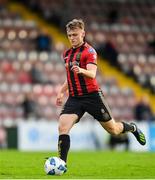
column 83, row 34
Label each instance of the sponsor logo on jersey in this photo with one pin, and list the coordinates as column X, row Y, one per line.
column 70, row 64
column 91, row 50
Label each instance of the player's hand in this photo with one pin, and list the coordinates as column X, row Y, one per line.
column 76, row 69
column 59, row 100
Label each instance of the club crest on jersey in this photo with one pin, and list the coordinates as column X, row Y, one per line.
column 78, row 56
column 91, row 50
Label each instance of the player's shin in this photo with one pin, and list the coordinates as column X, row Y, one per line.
column 63, row 146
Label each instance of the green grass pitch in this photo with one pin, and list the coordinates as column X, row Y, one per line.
column 81, row 165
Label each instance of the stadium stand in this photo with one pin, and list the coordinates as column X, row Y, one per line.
column 128, row 25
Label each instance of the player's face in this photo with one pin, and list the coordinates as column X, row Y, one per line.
column 76, row 37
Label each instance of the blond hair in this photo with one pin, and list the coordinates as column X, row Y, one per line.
column 75, row 23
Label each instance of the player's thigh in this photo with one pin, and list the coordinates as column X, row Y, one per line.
column 97, row 106
column 73, row 107
column 66, row 122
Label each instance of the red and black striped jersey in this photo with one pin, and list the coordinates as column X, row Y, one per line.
column 78, row 84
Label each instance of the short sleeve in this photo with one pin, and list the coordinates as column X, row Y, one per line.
column 63, row 54
column 91, row 56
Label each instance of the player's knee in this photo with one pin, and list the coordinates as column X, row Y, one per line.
column 63, row 129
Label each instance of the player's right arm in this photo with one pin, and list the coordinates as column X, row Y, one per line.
column 61, row 93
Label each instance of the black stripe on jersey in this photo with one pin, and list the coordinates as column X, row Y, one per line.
column 81, row 78
column 72, row 73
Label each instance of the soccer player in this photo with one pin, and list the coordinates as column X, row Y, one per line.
column 84, row 93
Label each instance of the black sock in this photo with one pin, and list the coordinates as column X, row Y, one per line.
column 63, row 146
column 128, row 127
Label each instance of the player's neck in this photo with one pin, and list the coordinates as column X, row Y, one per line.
column 80, row 44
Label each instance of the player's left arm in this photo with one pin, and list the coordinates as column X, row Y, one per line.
column 90, row 72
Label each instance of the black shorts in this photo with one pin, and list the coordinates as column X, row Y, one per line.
column 94, row 103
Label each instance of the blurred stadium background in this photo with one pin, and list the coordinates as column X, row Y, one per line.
column 32, row 39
